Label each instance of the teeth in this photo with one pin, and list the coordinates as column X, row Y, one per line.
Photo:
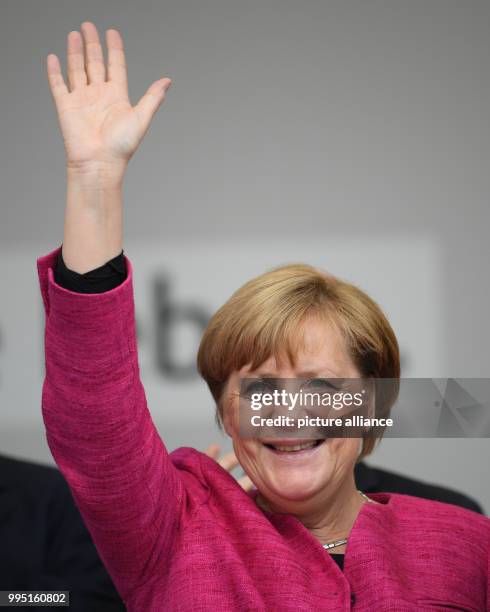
column 296, row 447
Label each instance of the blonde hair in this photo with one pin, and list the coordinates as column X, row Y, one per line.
column 263, row 319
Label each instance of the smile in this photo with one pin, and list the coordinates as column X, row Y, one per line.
column 293, row 446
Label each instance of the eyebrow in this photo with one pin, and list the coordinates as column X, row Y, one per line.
column 316, row 374
column 305, row 374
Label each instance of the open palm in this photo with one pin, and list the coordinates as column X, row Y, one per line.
column 97, row 120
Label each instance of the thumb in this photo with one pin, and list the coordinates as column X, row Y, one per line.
column 151, row 101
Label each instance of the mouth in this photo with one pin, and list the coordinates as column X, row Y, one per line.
column 293, row 447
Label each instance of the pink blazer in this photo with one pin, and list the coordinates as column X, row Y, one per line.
column 177, row 533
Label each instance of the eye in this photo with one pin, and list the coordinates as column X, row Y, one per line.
column 321, row 385
column 258, row 385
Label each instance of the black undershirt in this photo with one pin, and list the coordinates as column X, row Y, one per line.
column 102, row 279
column 105, row 278
column 339, row 559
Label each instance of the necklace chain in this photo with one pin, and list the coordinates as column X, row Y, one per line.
column 335, row 544
column 343, row 541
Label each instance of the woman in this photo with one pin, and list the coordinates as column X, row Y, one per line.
column 177, row 532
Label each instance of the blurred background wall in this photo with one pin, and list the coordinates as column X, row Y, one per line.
column 351, row 134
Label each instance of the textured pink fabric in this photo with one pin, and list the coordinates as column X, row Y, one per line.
column 176, row 531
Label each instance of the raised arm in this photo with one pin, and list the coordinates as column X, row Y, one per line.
column 101, row 132
column 98, row 425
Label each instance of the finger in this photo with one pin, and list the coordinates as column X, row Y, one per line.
column 228, row 461
column 55, row 77
column 212, row 451
column 151, row 101
column 94, row 57
column 246, row 483
column 77, row 77
column 116, row 59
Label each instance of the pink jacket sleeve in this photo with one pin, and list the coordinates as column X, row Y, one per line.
column 99, row 429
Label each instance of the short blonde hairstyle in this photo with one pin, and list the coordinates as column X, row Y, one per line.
column 264, row 317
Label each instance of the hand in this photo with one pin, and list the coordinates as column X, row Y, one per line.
column 229, row 462
column 98, row 122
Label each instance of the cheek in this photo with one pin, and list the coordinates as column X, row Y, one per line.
column 345, row 450
column 246, row 451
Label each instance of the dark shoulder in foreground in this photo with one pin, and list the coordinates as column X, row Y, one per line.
column 32, row 478
column 44, row 543
column 430, row 511
column 373, row 479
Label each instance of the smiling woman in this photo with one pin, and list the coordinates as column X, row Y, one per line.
column 292, row 322
column 176, row 531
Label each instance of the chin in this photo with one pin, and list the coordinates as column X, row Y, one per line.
column 295, row 475
column 293, row 490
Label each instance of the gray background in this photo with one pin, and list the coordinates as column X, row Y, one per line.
column 363, row 120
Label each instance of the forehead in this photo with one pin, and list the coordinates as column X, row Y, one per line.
column 321, row 351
